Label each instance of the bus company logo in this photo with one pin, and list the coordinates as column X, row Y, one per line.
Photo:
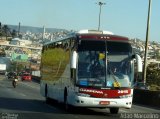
column 90, row 91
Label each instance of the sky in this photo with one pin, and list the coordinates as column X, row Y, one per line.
column 122, row 17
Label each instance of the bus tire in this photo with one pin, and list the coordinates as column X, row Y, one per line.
column 114, row 110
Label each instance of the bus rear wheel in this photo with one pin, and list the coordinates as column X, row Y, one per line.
column 114, row 110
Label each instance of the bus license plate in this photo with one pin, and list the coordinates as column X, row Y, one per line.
column 104, row 102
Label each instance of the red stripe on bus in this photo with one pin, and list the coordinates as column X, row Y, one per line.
column 105, row 93
column 98, row 37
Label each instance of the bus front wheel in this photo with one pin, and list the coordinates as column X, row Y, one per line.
column 114, row 110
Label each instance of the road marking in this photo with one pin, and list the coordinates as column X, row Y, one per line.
column 8, row 89
column 29, row 85
column 22, row 94
column 124, row 111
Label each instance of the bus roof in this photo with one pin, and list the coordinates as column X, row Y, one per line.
column 94, row 32
column 91, row 34
column 102, row 37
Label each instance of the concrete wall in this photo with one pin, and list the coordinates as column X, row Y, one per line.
column 146, row 97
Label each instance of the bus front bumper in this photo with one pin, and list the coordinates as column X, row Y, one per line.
column 102, row 102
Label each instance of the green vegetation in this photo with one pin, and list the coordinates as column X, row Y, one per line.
column 6, row 32
column 154, row 87
column 153, row 76
column 17, row 66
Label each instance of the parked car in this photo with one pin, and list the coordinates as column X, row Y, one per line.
column 26, row 76
column 141, row 85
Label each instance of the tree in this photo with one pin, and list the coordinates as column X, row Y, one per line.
column 14, row 33
column 6, row 31
column 153, row 74
column 0, row 30
column 0, row 34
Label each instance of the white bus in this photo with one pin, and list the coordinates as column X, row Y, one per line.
column 89, row 69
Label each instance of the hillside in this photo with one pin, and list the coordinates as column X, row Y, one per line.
column 34, row 29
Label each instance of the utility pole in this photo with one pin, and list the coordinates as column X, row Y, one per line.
column 100, row 7
column 146, row 45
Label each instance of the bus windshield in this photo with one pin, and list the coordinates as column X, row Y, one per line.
column 104, row 64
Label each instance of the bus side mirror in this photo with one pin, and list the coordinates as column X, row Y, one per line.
column 74, row 59
column 139, row 62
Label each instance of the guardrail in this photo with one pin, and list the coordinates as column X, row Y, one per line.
column 36, row 79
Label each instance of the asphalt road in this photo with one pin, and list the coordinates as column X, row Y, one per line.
column 25, row 102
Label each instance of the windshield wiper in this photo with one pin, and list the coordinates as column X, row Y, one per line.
column 113, row 76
